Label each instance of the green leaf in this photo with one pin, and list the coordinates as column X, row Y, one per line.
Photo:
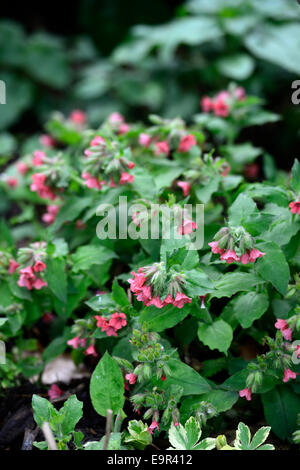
column 278, row 44
column 119, row 294
column 71, row 210
column 217, row 335
column 295, row 180
column 107, row 386
column 281, row 407
column 273, row 266
column 243, row 437
column 237, row 66
column 56, row 278
column 204, row 193
column 72, row 412
column 42, row 410
column 231, row 283
column 260, row 437
column 159, row 319
column 240, row 210
column 249, row 307
column 89, row 255
column 193, row 383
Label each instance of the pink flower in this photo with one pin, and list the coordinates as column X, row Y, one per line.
column 163, row 378
column 287, row 334
column 92, row 182
column 78, row 117
column 47, row 140
column 39, row 284
column 185, row 186
column 124, row 128
column 50, row 216
column 255, row 254
column 110, row 331
column 116, row 118
column 38, row 158
column 297, row 351
column 281, row 324
column 76, row 342
column 156, row 301
column 126, row 178
column 207, row 104
column 101, row 322
column 12, row 182
column 118, row 320
column 161, row 148
column 22, row 168
column 180, row 300
column 54, row 392
column 220, row 107
column 131, row 378
column 144, row 139
column 246, row 392
column 137, row 283
column 176, row 424
column 229, row 256
column 245, row 258
column 97, row 140
column 295, row 207
column 240, row 93
column 130, row 165
column 26, row 278
column 13, row 266
column 215, row 248
column 187, row 227
column 289, row 374
column 91, row 351
column 39, row 186
column 186, row 143
column 154, row 425
column 39, row 266
column 202, row 297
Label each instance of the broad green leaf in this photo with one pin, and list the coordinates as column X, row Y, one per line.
column 231, row 283
column 205, row 192
column 238, row 66
column 240, row 210
column 193, row 383
column 273, row 266
column 72, row 411
column 278, row 44
column 89, row 255
column 281, row 407
column 217, row 335
column 107, row 386
column 56, row 278
column 119, row 295
column 243, row 437
column 295, row 181
column 249, row 307
column 42, row 410
column 159, row 319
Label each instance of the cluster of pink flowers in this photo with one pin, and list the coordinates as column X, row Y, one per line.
column 161, row 147
column 91, row 181
column 143, row 293
column 29, row 276
column 118, row 123
column 77, row 342
column 230, row 255
column 50, row 216
column 295, row 207
column 220, row 103
column 283, row 326
column 39, row 185
column 112, row 325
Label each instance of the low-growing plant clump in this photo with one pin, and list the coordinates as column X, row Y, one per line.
column 160, row 260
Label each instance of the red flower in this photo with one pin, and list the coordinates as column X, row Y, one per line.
column 186, row 143
column 39, row 266
column 246, row 392
column 91, row 351
column 78, row 117
column 154, row 425
column 13, row 266
column 118, row 320
column 131, row 378
column 126, row 178
column 229, row 256
column 295, row 207
column 54, row 392
column 161, row 148
column 289, row 374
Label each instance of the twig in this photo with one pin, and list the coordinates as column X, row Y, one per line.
column 108, row 429
column 49, row 436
